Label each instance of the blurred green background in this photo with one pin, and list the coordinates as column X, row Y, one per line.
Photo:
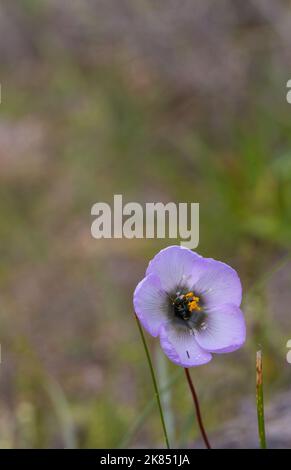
column 180, row 101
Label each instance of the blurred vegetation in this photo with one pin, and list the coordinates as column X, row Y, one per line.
column 157, row 103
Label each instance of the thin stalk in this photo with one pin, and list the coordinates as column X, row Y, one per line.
column 260, row 400
column 197, row 408
column 146, row 411
column 157, row 394
column 161, row 364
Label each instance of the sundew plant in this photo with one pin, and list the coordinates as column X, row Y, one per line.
column 192, row 304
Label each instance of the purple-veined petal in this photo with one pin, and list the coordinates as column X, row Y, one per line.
column 176, row 266
column 219, row 284
column 150, row 304
column 181, row 347
column 225, row 329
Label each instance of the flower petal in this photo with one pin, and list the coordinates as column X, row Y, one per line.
column 225, row 330
column 219, row 284
column 176, row 265
column 181, row 347
column 150, row 304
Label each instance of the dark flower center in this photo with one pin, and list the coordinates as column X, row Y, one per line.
column 185, row 305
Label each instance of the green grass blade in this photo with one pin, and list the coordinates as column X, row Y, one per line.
column 260, row 400
column 161, row 363
column 138, row 422
column 157, row 394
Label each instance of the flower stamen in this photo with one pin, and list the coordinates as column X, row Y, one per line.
column 186, row 304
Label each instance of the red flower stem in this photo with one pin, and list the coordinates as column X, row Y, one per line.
column 197, row 408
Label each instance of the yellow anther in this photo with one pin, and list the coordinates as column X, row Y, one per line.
column 189, row 294
column 194, row 304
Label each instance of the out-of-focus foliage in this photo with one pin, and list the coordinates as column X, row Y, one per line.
column 158, row 101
